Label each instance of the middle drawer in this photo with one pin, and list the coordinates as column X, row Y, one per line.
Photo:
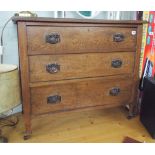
column 70, row 66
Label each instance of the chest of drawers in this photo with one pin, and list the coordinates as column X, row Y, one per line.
column 70, row 64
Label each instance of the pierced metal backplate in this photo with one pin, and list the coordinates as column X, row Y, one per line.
column 116, row 63
column 53, row 38
column 114, row 91
column 118, row 37
column 53, row 68
column 54, row 99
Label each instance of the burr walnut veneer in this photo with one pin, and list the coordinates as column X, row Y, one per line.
column 70, row 64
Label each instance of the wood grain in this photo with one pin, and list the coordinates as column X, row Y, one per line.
column 93, row 126
column 79, row 39
column 85, row 52
column 80, row 94
column 80, row 65
column 47, row 83
column 134, row 104
column 24, row 72
column 74, row 20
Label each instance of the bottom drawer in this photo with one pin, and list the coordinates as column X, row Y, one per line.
column 72, row 94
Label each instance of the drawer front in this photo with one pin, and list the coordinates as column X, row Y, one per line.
column 70, row 66
column 79, row 94
column 56, row 40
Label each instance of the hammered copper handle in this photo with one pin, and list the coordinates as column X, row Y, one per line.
column 114, row 91
column 53, row 68
column 117, row 63
column 118, row 37
column 53, row 38
column 54, row 99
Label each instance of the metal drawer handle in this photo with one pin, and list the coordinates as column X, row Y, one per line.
column 54, row 99
column 118, row 37
column 116, row 63
column 53, row 38
column 53, row 68
column 114, row 91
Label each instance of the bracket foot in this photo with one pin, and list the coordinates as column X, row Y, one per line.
column 27, row 135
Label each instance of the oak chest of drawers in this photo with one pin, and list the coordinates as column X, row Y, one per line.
column 69, row 64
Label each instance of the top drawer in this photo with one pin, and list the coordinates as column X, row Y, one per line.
column 59, row 40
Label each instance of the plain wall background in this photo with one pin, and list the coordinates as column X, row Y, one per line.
column 10, row 35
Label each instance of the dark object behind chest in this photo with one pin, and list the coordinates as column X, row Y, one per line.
column 147, row 114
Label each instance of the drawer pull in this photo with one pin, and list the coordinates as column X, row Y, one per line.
column 114, row 91
column 53, row 68
column 54, row 99
column 53, row 38
column 116, row 63
column 118, row 37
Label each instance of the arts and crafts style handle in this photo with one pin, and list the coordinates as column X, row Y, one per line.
column 116, row 63
column 52, row 68
column 54, row 99
column 118, row 37
column 114, row 91
column 53, row 38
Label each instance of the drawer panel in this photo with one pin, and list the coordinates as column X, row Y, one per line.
column 61, row 96
column 59, row 40
column 70, row 66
